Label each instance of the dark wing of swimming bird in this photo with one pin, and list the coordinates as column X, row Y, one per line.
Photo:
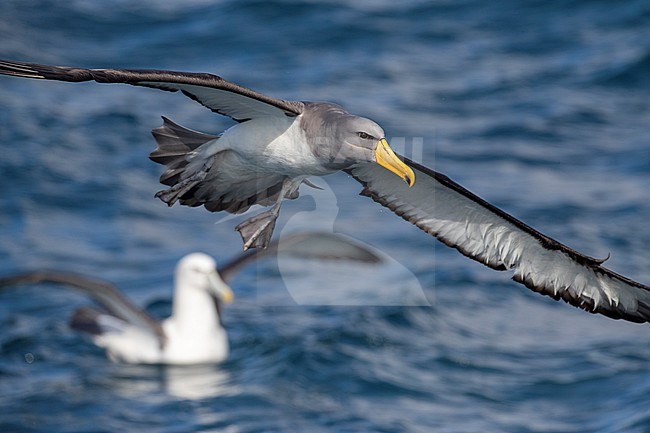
column 307, row 245
column 217, row 94
column 482, row 232
column 103, row 292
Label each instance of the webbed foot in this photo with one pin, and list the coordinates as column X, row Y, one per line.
column 256, row 231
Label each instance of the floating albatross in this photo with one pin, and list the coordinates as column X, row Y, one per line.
column 276, row 145
column 194, row 332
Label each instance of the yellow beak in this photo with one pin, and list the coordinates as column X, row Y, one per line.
column 385, row 157
column 228, row 295
column 220, row 288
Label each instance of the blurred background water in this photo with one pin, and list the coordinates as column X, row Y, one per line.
column 540, row 107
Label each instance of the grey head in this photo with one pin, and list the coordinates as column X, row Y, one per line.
column 337, row 137
column 340, row 140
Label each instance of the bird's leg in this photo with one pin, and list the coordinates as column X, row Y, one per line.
column 256, row 231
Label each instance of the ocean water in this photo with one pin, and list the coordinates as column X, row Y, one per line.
column 540, row 107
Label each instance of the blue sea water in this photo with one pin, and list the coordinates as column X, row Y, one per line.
column 540, row 107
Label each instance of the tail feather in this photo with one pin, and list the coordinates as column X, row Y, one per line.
column 174, row 143
column 222, row 183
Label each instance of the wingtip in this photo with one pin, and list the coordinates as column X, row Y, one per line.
column 18, row 69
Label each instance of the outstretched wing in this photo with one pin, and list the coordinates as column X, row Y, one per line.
column 104, row 293
column 212, row 91
column 482, row 232
column 307, row 245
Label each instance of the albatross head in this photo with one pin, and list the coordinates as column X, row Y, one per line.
column 341, row 139
column 198, row 271
column 368, row 140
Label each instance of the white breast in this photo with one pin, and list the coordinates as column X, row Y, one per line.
column 272, row 145
column 201, row 346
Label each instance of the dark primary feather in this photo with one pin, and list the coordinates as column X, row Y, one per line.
column 221, row 96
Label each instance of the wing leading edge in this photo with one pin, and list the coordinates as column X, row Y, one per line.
column 219, row 95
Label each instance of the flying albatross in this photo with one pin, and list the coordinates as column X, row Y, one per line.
column 194, row 333
column 276, row 145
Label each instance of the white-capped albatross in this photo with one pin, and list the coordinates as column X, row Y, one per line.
column 277, row 144
column 194, row 333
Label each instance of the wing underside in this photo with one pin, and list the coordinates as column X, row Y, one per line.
column 482, row 232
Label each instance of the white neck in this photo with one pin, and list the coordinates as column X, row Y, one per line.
column 193, row 310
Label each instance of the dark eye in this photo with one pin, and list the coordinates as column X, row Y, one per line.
column 364, row 135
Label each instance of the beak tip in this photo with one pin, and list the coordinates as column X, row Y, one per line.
column 385, row 157
column 409, row 177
